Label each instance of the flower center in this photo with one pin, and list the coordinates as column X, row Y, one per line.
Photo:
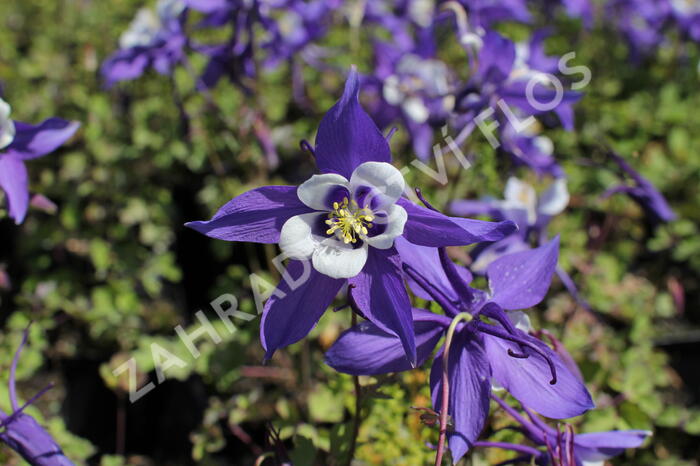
column 349, row 221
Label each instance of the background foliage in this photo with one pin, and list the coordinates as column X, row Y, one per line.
column 114, row 269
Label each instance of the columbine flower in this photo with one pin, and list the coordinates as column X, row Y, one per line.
column 20, row 142
column 501, row 75
column 22, row 433
column 520, row 205
column 153, row 39
column 346, row 222
column 520, row 363
column 416, row 88
column 643, row 193
column 289, row 26
column 566, row 448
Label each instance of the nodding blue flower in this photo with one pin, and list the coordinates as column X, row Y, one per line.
column 342, row 227
column 154, row 38
column 564, row 448
column 22, row 433
column 20, row 142
column 643, row 192
column 502, row 350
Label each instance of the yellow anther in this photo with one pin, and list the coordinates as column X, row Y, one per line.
column 349, row 221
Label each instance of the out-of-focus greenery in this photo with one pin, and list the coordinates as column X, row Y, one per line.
column 115, row 270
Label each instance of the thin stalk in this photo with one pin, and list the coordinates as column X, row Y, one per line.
column 358, row 402
column 462, row 316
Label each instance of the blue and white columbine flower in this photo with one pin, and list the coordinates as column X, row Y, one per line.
column 346, row 221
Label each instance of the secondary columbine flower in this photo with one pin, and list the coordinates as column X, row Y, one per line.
column 345, row 221
column 153, row 39
column 566, row 448
column 22, row 433
column 504, row 75
column 415, row 87
column 20, row 142
column 520, row 363
column 520, row 205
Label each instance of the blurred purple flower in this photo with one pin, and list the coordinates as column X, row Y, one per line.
column 345, row 222
column 154, row 39
column 289, row 25
column 414, row 87
column 22, row 433
column 20, row 142
column 515, row 80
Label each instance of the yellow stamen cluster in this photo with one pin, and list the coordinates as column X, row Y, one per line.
column 349, row 221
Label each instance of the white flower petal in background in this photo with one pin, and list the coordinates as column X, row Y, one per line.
column 555, row 199
column 7, row 127
column 520, row 195
column 416, row 109
column 143, row 30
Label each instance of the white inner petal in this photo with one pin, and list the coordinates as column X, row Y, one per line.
column 143, row 30
column 392, row 91
column 555, row 199
column 520, row 195
column 416, row 109
column 336, row 259
column 7, row 126
column 314, row 192
column 395, row 222
column 297, row 240
column 169, row 9
column 544, row 145
column 385, row 181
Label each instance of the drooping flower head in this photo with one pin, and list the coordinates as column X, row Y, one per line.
column 20, row 142
column 22, row 433
column 154, row 38
column 341, row 227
